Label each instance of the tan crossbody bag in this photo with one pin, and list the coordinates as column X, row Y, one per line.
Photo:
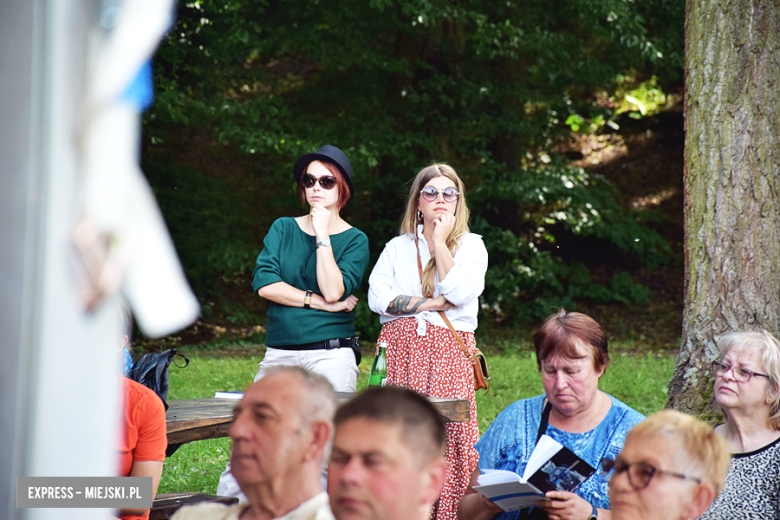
column 477, row 359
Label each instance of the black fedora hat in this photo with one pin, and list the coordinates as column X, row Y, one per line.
column 329, row 154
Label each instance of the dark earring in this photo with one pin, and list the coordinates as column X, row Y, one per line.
column 419, row 215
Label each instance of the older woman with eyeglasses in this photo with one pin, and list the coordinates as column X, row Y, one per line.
column 747, row 389
column 671, row 468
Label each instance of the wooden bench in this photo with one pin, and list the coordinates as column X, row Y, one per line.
column 166, row 504
column 197, row 419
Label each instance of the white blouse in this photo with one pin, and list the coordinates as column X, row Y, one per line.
column 396, row 274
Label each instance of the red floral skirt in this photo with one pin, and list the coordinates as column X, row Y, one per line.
column 435, row 365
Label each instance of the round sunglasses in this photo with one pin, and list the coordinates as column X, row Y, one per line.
column 430, row 194
column 639, row 473
column 327, row 182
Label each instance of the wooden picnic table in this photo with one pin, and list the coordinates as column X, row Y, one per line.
column 197, row 419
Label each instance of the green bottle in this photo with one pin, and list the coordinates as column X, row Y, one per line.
column 378, row 373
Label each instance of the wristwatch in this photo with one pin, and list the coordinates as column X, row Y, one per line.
column 325, row 243
column 307, row 300
column 594, row 515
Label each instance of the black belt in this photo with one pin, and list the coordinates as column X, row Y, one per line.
column 329, row 344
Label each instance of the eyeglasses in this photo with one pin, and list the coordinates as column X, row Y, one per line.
column 430, row 194
column 327, row 182
column 639, row 473
column 741, row 375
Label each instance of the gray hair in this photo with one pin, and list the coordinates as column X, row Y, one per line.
column 768, row 349
column 319, row 399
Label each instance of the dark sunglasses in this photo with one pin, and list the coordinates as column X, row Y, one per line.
column 430, row 194
column 327, row 182
column 639, row 473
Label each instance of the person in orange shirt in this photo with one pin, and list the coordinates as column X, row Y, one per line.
column 142, row 439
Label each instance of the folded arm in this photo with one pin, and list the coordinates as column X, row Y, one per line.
column 405, row 305
column 329, row 277
column 384, row 297
column 285, row 294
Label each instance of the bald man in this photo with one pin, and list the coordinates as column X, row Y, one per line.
column 281, row 430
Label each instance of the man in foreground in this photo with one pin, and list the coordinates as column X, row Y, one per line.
column 280, row 431
column 388, row 456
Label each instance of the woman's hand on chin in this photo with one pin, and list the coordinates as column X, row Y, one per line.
column 442, row 227
column 565, row 506
column 320, row 220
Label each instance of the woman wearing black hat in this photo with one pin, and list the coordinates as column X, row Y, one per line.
column 308, row 269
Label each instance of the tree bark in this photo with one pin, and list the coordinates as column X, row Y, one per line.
column 732, row 185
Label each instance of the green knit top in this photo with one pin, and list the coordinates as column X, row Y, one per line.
column 289, row 255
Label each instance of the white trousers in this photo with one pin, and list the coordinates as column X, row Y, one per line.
column 336, row 365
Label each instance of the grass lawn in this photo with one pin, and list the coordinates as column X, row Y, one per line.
column 638, row 380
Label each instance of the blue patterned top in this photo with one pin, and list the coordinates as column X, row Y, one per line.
column 509, row 441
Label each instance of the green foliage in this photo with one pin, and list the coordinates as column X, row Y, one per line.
column 645, row 99
column 638, row 99
column 367, row 324
column 210, row 226
column 534, row 269
column 489, row 87
column 238, row 315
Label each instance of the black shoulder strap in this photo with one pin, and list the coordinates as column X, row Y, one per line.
column 545, row 419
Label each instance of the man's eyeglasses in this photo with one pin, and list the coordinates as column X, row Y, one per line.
column 430, row 194
column 741, row 375
column 327, row 182
column 639, row 473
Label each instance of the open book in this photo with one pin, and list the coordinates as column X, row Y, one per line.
column 551, row 467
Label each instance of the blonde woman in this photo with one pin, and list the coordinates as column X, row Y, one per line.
column 671, row 467
column 423, row 354
column 747, row 389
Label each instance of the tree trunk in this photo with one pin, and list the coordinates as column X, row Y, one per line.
column 732, row 185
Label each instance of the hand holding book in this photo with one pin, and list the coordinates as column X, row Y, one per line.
column 565, row 505
column 551, row 467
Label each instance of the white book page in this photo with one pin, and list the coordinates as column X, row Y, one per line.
column 545, row 449
column 497, row 476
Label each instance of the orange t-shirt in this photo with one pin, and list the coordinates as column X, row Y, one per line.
column 144, row 435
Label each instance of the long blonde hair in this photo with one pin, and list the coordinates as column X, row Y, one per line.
column 410, row 221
